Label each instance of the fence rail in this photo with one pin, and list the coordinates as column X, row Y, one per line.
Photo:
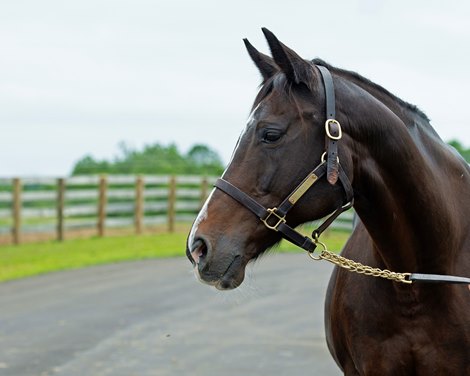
column 57, row 206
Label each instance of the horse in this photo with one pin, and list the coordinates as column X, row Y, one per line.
column 411, row 193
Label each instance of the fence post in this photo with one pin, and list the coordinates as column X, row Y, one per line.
column 204, row 188
column 139, row 204
column 60, row 208
column 171, row 204
column 16, row 211
column 102, row 199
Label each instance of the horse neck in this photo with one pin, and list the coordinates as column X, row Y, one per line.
column 409, row 187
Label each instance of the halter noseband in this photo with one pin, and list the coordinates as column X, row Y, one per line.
column 275, row 218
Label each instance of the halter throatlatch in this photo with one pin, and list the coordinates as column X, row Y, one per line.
column 275, row 218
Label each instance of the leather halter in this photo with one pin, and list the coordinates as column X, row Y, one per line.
column 275, row 218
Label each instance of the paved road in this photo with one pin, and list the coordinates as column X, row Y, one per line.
column 153, row 318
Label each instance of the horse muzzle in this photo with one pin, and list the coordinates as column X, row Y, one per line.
column 222, row 269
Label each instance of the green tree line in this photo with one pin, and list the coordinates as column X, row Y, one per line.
column 154, row 159
column 161, row 159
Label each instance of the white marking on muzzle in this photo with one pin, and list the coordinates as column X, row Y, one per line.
column 200, row 217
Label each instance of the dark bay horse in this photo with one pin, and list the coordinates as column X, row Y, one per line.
column 411, row 193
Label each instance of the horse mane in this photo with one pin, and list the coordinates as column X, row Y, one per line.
column 357, row 77
column 281, row 83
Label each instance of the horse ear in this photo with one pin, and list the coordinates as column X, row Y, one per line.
column 294, row 67
column 265, row 63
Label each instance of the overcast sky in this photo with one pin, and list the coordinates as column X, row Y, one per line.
column 78, row 77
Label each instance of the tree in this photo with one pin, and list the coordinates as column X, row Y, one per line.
column 204, row 159
column 464, row 152
column 154, row 159
column 87, row 165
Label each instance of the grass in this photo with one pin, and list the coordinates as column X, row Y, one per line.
column 39, row 258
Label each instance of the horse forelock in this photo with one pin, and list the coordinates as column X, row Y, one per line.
column 292, row 92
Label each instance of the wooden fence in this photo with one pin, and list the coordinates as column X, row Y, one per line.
column 49, row 205
column 99, row 203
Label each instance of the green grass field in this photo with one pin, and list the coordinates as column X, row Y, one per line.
column 38, row 258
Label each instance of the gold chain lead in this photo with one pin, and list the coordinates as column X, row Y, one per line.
column 357, row 267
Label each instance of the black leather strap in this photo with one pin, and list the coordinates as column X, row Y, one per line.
column 348, row 203
column 261, row 212
column 438, row 278
column 329, row 92
column 333, row 130
column 296, row 238
column 332, row 153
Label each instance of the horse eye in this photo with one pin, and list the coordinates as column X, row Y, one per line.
column 271, row 136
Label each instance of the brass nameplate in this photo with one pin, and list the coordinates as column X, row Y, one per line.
column 304, row 187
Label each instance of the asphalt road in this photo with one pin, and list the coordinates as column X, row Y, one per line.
column 153, row 318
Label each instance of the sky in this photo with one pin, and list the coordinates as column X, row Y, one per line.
column 79, row 77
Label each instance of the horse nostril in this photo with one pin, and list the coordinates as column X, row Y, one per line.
column 199, row 250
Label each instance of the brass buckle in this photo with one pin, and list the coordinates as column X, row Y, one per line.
column 317, row 243
column 279, row 219
column 327, row 129
column 323, row 158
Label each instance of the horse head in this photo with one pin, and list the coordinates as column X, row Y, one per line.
column 283, row 140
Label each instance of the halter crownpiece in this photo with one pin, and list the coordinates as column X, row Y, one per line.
column 332, row 127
